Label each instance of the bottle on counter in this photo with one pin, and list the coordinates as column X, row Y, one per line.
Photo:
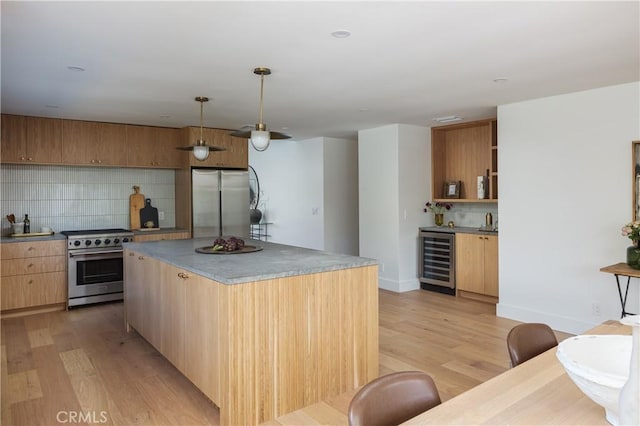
column 489, row 220
column 27, row 224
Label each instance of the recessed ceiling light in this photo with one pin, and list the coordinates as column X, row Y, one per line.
column 341, row 33
column 363, row 109
column 52, row 106
column 447, row 119
column 500, row 80
column 165, row 116
column 284, row 128
column 75, row 68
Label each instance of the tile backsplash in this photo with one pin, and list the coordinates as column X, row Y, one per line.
column 74, row 198
column 471, row 214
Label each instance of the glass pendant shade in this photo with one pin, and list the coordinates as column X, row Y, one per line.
column 201, row 152
column 260, row 139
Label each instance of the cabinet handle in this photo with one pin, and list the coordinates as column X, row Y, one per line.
column 131, row 254
column 93, row 161
column 30, row 265
column 183, row 275
column 22, row 159
column 30, row 282
column 31, row 249
column 140, row 258
column 30, row 159
column 99, row 161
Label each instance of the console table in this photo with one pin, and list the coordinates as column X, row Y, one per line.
column 626, row 271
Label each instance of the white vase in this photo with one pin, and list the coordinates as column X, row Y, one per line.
column 629, row 401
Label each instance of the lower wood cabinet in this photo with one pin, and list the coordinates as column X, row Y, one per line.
column 155, row 304
column 34, row 275
column 477, row 266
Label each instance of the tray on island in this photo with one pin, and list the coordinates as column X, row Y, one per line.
column 245, row 249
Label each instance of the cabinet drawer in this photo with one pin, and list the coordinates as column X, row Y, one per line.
column 33, row 265
column 23, row 291
column 34, row 249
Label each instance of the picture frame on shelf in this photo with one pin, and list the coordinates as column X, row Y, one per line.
column 452, row 189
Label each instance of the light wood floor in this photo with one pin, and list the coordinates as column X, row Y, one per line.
column 81, row 362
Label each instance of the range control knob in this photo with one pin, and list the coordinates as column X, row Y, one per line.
column 116, row 240
column 125, row 240
column 107, row 241
column 98, row 242
column 76, row 243
column 87, row 243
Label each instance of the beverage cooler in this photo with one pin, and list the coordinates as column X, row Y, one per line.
column 437, row 261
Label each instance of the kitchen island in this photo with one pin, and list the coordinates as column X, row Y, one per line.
column 263, row 333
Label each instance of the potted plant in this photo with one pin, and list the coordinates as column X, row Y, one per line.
column 438, row 210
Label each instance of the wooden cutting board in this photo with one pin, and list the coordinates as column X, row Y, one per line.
column 136, row 203
column 149, row 214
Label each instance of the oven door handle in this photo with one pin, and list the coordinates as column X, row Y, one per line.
column 95, row 253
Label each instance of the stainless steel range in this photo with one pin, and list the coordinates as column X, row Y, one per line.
column 95, row 265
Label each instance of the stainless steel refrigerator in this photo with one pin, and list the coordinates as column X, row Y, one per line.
column 220, row 203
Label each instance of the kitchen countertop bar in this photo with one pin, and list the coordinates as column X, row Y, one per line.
column 261, row 333
column 274, row 261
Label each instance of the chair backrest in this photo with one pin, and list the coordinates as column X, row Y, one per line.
column 393, row 399
column 525, row 341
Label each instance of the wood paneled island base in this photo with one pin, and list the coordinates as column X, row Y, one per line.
column 263, row 348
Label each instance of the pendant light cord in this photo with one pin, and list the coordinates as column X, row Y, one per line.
column 201, row 122
column 261, row 95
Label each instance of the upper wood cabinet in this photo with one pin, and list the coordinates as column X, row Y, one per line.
column 236, row 154
column 462, row 152
column 41, row 140
column 34, row 140
column 154, row 147
column 93, row 143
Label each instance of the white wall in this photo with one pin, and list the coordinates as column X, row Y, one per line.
column 414, row 189
column 309, row 193
column 378, row 200
column 341, row 196
column 565, row 192
column 290, row 174
column 394, row 169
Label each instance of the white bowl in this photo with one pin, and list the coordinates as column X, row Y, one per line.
column 599, row 366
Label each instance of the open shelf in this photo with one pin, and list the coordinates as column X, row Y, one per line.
column 462, row 152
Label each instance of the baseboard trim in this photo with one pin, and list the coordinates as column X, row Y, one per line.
column 567, row 325
column 398, row 286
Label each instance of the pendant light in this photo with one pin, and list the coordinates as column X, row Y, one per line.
column 260, row 137
column 201, row 149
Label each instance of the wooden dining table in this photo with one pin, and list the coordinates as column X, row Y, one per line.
column 538, row 392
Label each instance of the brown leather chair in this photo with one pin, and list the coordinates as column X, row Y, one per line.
column 393, row 399
column 525, row 341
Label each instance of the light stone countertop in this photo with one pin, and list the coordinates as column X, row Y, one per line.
column 458, row 229
column 274, row 261
column 55, row 236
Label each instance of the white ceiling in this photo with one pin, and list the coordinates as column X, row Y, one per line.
column 405, row 62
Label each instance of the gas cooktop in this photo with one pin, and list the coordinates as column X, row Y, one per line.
column 88, row 232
